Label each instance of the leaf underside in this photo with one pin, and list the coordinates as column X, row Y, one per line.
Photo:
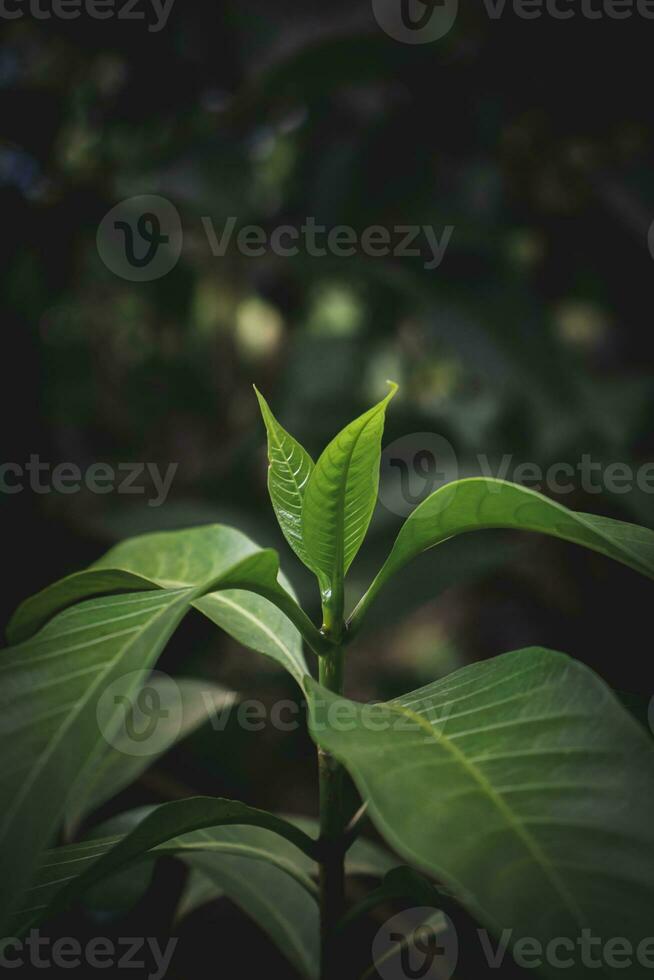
column 522, row 784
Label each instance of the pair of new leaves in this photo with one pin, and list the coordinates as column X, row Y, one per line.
column 324, row 510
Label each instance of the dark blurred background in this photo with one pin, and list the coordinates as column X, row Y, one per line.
column 532, row 339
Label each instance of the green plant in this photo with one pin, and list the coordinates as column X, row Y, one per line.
column 521, row 784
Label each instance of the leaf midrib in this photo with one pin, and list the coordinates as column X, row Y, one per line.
column 339, row 556
column 503, row 807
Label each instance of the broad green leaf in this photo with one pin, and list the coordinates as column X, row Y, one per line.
column 35, row 612
column 521, row 784
column 166, row 560
column 290, row 467
column 51, row 689
column 67, row 873
column 56, row 682
column 341, row 495
column 204, row 558
column 479, row 503
column 183, row 705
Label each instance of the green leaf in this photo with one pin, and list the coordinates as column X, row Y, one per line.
column 56, row 682
column 35, row 612
column 256, row 622
column 65, row 874
column 290, row 467
column 478, row 503
column 194, row 703
column 52, row 686
column 341, row 495
column 204, row 558
column 520, row 783
column 165, row 560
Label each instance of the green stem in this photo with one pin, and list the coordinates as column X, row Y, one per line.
column 332, row 830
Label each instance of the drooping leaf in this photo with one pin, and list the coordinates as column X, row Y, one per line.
column 255, row 622
column 290, row 467
column 67, row 873
column 264, row 872
column 478, row 503
column 521, row 784
column 183, row 705
column 204, row 557
column 56, row 682
column 167, row 560
column 35, row 612
column 342, row 493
